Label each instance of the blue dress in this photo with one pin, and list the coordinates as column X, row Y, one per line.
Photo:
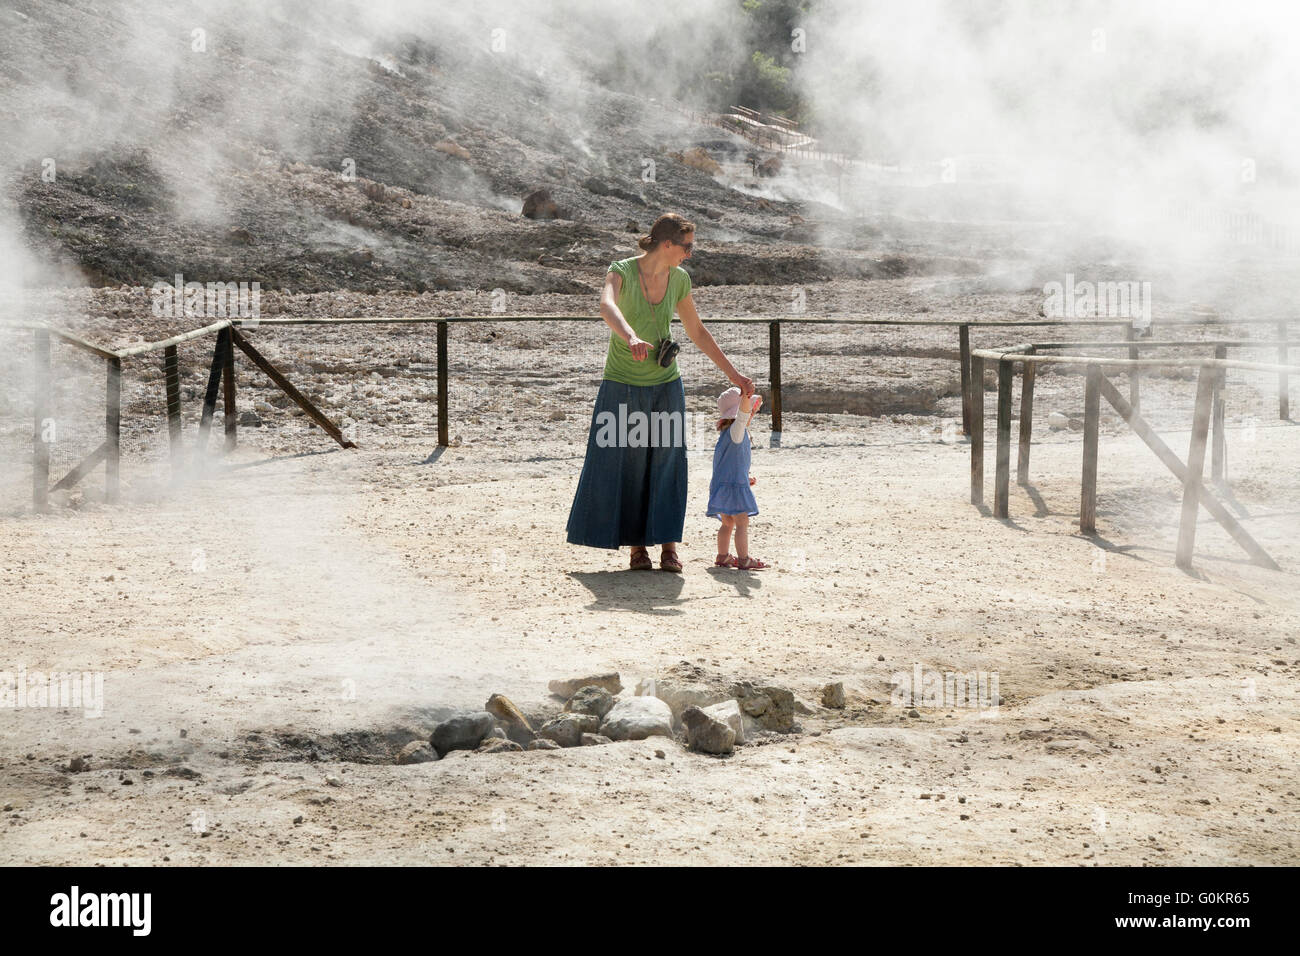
column 729, row 491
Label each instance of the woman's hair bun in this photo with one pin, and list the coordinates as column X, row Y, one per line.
column 645, row 242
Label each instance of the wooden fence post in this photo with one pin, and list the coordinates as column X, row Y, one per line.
column 1091, row 423
column 1134, row 372
column 112, row 430
column 1195, row 468
column 443, row 424
column 229, row 415
column 1002, row 478
column 210, row 396
column 1283, row 379
column 172, row 375
column 1217, row 447
column 963, row 358
column 977, row 430
column 774, row 371
column 41, row 402
column 1028, row 372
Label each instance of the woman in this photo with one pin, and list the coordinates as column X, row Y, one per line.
column 633, row 492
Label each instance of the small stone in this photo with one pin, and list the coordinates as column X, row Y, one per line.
column 1057, row 421
column 78, row 765
column 729, row 713
column 570, row 686
column 417, row 751
column 334, row 781
column 461, row 732
column 512, row 718
column 913, row 713
column 297, row 820
column 770, row 707
column 833, row 695
column 706, row 733
column 567, row 729
column 498, row 745
column 542, row 743
column 660, row 755
column 679, row 694
column 593, row 740
column 637, row 718
column 592, row 700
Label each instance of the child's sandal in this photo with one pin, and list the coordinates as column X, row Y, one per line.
column 725, row 561
column 750, row 564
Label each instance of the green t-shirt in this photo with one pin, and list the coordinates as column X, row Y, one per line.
column 650, row 323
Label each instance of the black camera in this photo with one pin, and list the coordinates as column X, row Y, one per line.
column 666, row 351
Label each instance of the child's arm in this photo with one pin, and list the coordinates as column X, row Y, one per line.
column 745, row 416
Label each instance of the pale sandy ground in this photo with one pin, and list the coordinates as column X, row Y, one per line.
column 1149, row 716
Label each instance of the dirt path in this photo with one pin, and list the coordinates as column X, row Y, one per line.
column 1147, row 715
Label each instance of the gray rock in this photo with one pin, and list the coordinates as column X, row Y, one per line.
column 592, row 700
column 706, row 733
column 570, row 686
column 417, row 751
column 637, row 718
column 833, row 696
column 498, row 745
column 594, row 740
column 679, row 694
column 495, row 733
column 729, row 713
column 567, row 729
column 772, row 708
column 541, row 743
column 511, row 717
column 462, row 732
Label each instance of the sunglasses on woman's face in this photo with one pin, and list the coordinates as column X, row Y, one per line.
column 687, row 246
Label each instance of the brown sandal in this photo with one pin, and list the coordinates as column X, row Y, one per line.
column 725, row 561
column 640, row 560
column 750, row 564
column 668, row 561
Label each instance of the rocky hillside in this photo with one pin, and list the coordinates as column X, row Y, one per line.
column 308, row 162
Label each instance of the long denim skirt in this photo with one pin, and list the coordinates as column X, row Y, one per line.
column 633, row 485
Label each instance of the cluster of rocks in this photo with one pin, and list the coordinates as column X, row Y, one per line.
column 708, row 715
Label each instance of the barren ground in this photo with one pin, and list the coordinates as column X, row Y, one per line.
column 298, row 611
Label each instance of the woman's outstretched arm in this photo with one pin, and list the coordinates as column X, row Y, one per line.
column 609, row 311
column 703, row 340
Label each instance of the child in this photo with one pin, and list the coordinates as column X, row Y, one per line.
column 730, row 499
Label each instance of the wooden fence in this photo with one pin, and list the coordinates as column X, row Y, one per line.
column 1207, row 418
column 230, row 335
